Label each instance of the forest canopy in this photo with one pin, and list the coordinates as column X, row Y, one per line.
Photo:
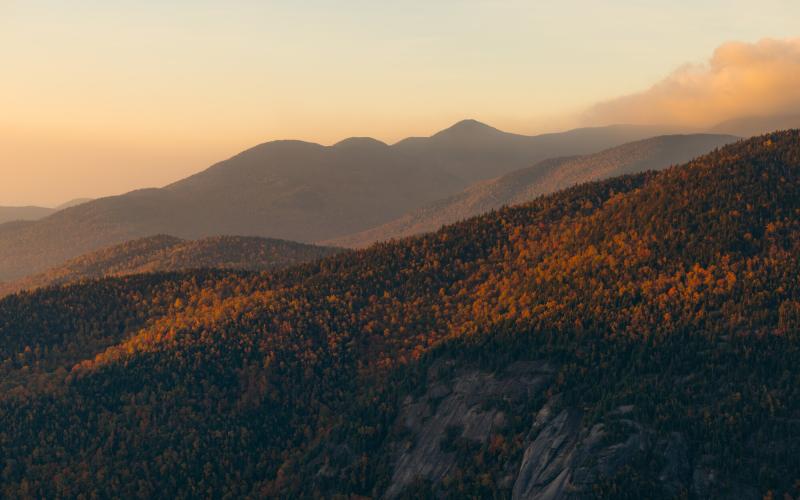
column 675, row 292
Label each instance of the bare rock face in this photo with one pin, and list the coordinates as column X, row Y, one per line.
column 546, row 466
column 565, row 456
column 566, row 459
column 458, row 408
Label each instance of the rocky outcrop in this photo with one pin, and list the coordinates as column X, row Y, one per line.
column 565, row 456
column 458, row 408
column 546, row 466
column 567, row 459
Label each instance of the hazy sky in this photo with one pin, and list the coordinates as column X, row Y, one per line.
column 101, row 97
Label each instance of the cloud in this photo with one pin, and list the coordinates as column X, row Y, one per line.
column 740, row 79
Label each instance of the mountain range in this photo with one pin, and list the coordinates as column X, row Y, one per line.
column 297, row 191
column 8, row 214
column 544, row 177
column 635, row 337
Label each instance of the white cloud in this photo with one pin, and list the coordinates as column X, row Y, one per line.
column 740, row 79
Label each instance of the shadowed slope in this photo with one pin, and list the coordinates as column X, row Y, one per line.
column 545, row 177
column 166, row 253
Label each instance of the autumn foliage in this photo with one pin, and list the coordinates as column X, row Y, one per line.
column 676, row 291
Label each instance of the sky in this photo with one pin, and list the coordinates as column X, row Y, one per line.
column 98, row 97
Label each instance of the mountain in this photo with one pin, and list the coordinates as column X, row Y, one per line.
column 757, row 125
column 73, row 203
column 635, row 337
column 29, row 213
column 473, row 151
column 8, row 214
column 294, row 190
column 545, row 177
column 166, row 253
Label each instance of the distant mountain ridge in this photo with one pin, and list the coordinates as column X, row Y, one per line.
column 73, row 203
column 297, row 191
column 29, row 213
column 163, row 253
column 475, row 151
column 9, row 214
column 757, row 125
column 545, row 177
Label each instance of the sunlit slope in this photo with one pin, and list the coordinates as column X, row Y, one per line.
column 670, row 298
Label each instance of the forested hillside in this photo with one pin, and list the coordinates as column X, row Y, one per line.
column 635, row 337
column 166, row 253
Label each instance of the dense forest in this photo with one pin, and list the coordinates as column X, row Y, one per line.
column 652, row 316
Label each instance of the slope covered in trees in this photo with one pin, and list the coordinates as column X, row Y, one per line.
column 296, row 190
column 665, row 307
column 545, row 177
column 166, row 253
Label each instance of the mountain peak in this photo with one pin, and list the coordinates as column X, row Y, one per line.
column 468, row 127
column 359, row 142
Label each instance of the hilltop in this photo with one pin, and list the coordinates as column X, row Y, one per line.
column 164, row 253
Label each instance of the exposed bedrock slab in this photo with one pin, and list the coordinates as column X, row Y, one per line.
column 460, row 407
